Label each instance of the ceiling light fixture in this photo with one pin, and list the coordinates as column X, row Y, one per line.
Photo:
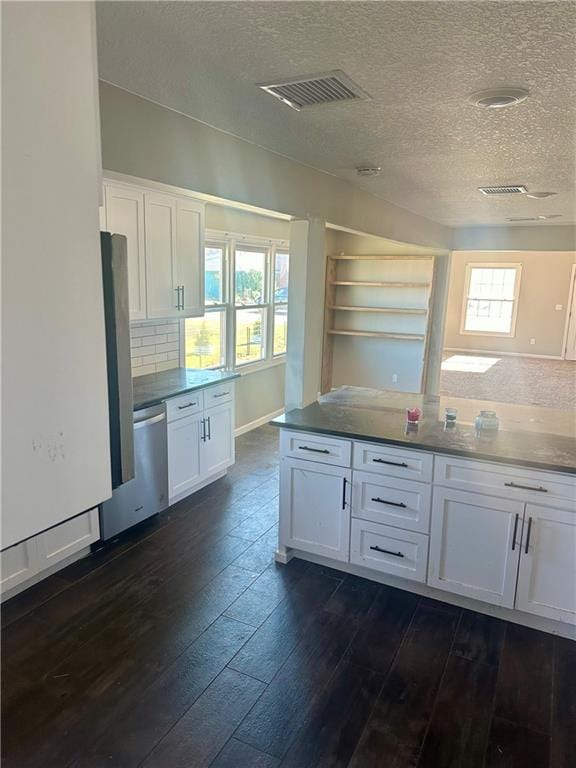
column 540, row 195
column 497, row 98
column 369, row 170
column 535, row 218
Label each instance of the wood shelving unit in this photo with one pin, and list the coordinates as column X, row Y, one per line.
column 343, row 286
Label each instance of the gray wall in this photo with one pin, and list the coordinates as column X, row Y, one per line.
column 259, row 394
column 143, row 139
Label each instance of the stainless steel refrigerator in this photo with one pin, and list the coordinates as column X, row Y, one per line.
column 138, row 440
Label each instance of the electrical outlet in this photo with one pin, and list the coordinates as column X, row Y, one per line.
column 394, row 378
column 558, row 307
column 532, row 341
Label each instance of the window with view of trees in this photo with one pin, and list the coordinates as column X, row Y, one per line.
column 246, row 296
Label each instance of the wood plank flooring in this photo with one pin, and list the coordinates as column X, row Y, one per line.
column 184, row 645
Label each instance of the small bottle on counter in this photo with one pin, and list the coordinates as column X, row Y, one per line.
column 486, row 422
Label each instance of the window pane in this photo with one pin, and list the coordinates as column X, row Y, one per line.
column 249, row 278
column 281, row 276
column 492, row 283
column 214, row 275
column 249, row 335
column 205, row 340
column 489, row 316
column 280, row 329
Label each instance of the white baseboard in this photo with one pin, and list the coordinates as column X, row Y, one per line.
column 257, row 422
column 501, row 354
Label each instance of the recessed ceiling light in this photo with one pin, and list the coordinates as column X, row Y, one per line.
column 369, row 170
column 497, row 98
column 540, row 195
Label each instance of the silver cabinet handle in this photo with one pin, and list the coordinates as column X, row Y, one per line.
column 209, row 429
column 182, row 287
column 188, row 405
column 177, row 289
column 527, row 487
column 203, row 435
column 221, row 394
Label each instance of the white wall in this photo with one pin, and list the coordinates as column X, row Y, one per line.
column 56, row 456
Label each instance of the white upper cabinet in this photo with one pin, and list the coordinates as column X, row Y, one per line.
column 475, row 545
column 165, row 234
column 163, row 296
column 189, row 256
column 124, row 208
column 547, row 575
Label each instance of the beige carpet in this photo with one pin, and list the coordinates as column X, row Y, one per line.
column 522, row 380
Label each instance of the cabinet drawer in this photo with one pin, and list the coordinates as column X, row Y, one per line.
column 390, row 501
column 184, row 405
column 390, row 550
column 219, row 395
column 66, row 539
column 304, row 445
column 506, row 481
column 395, row 462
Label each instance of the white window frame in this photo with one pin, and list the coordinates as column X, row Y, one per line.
column 491, row 265
column 229, row 242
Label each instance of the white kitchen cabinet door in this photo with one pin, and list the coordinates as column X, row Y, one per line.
column 547, row 575
column 190, row 256
column 65, row 540
column 125, row 216
column 184, row 462
column 475, row 545
column 315, row 508
column 18, row 564
column 162, row 294
column 218, row 440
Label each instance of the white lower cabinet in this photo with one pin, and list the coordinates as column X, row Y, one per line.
column 475, row 545
column 184, row 470
column 27, row 560
column 472, row 528
column 547, row 575
column 218, row 443
column 389, row 550
column 315, row 509
column 200, row 440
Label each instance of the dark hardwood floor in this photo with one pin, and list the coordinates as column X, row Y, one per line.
column 185, row 645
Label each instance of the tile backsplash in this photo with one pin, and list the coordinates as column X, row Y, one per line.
column 155, row 346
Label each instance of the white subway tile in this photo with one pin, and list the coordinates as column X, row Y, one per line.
column 174, row 355
column 137, row 342
column 161, row 358
column 173, row 337
column 145, row 369
column 170, row 328
column 136, row 361
column 165, row 366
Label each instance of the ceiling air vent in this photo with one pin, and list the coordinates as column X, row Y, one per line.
column 309, row 91
column 509, row 189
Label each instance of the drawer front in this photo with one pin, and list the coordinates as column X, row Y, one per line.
column 304, row 445
column 395, row 462
column 400, row 503
column 184, row 405
column 389, row 550
column 218, row 395
column 506, row 481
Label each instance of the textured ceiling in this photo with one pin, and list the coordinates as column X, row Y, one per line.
column 418, row 60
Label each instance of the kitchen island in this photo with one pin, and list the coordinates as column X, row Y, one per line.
column 484, row 520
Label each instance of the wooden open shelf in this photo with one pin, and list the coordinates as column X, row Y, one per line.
column 379, row 334
column 385, row 310
column 379, row 284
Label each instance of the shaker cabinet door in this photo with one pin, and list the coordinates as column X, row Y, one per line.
column 184, row 465
column 218, row 440
column 125, row 216
column 547, row 575
column 163, row 295
column 475, row 545
column 189, row 257
column 315, row 508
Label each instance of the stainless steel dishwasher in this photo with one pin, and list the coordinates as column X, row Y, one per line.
column 147, row 493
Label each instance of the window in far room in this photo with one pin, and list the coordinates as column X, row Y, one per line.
column 491, row 299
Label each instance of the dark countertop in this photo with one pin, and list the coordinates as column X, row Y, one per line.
column 543, row 438
column 153, row 388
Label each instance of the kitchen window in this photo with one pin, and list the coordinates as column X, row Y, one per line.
column 246, row 297
column 491, row 299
